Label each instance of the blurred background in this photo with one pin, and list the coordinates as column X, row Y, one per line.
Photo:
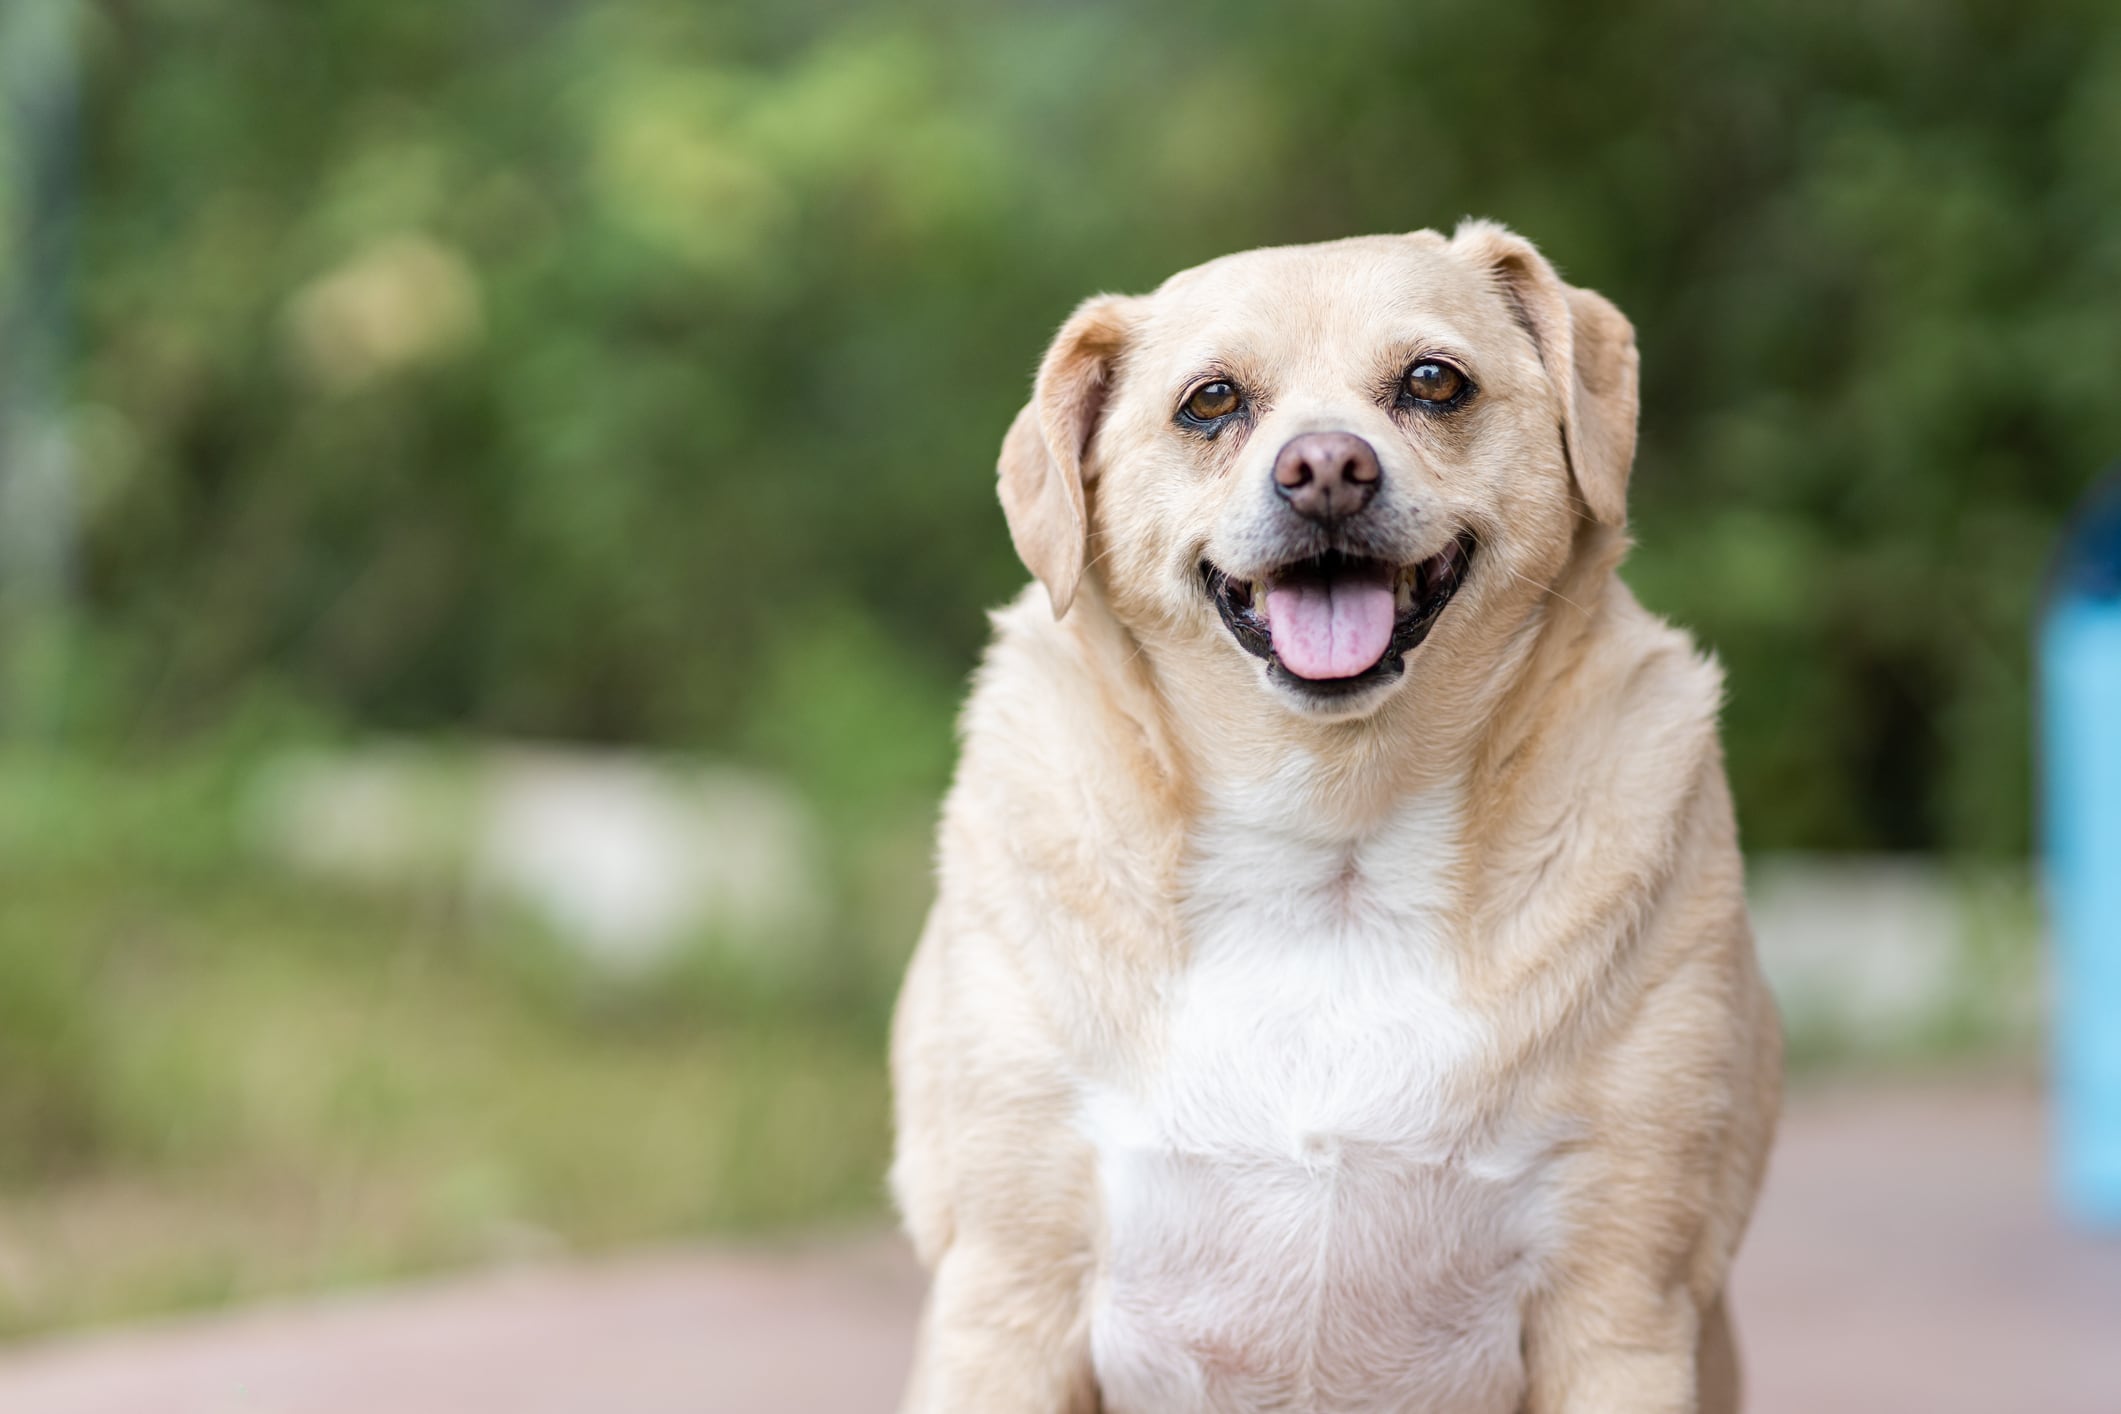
column 496, row 515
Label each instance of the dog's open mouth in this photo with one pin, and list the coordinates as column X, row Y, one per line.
column 1337, row 623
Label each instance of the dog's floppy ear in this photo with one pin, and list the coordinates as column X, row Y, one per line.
column 1588, row 350
column 1041, row 465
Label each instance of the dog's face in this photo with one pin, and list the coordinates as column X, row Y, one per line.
column 1318, row 464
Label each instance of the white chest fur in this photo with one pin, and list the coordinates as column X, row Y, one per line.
column 1306, row 1206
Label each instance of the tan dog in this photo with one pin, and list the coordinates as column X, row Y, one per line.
column 1339, row 995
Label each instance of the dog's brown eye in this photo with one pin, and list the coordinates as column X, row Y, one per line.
column 1212, row 401
column 1431, row 382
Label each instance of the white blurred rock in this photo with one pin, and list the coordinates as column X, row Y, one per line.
column 632, row 857
column 1860, row 938
column 624, row 855
column 1882, row 948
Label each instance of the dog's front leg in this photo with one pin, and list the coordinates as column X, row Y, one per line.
column 1605, row 1350
column 1003, row 1333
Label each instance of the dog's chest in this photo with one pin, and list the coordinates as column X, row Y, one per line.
column 1306, row 1205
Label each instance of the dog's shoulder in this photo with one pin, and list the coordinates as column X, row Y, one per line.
column 1643, row 701
column 1060, row 719
column 1600, row 794
column 1067, row 801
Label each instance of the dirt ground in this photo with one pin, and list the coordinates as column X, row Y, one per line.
column 1905, row 1258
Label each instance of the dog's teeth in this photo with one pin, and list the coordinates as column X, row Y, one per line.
column 1259, row 595
column 1403, row 591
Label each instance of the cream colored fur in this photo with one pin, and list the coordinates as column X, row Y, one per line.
column 1407, row 1053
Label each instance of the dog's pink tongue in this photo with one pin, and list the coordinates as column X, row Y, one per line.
column 1331, row 628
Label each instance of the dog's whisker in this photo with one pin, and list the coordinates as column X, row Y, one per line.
column 1548, row 588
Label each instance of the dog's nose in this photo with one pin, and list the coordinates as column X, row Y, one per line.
column 1327, row 476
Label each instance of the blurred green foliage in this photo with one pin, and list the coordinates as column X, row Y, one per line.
column 633, row 370
column 216, row 1083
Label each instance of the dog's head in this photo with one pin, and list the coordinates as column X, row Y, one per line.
column 1314, row 464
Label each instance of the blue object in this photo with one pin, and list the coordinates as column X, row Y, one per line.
column 2080, row 669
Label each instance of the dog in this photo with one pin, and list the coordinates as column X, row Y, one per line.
column 1339, row 994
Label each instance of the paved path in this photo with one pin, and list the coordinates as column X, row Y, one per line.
column 1903, row 1260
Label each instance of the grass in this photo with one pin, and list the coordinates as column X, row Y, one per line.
column 219, row 1083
